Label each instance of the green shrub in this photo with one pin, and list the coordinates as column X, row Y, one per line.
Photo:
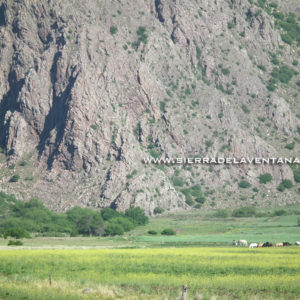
column 287, row 183
column 200, row 199
column 230, row 25
column 177, row 181
column 23, row 163
column 244, row 212
column 152, row 232
column 283, row 73
column 158, row 210
column 113, row 29
column 168, row 231
column 162, row 106
column 263, row 68
column 225, row 71
column 15, row 178
column 14, row 243
column 94, row 127
column 290, row 146
column 265, row 178
column 221, row 213
column 245, row 109
column 297, row 174
column 244, row 184
column 280, row 188
column 280, row 212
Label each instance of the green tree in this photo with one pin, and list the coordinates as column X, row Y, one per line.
column 86, row 220
column 113, row 229
column 137, row 215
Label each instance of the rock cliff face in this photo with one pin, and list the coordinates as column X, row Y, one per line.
column 90, row 88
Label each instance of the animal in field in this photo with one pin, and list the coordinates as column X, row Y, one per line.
column 260, row 245
column 234, row 243
column 297, row 243
column 285, row 244
column 253, row 245
column 279, row 245
column 243, row 243
column 267, row 244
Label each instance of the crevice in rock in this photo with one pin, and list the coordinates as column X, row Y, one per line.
column 3, row 19
column 9, row 103
column 58, row 114
column 158, row 10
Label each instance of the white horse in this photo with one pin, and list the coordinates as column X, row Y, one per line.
column 243, row 243
column 253, row 245
column 297, row 243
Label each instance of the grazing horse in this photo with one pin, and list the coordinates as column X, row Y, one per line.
column 243, row 243
column 260, row 245
column 297, row 243
column 267, row 244
column 286, row 244
column 253, row 245
column 279, row 245
column 234, row 243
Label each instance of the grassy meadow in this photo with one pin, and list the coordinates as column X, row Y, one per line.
column 158, row 273
column 138, row 265
column 192, row 229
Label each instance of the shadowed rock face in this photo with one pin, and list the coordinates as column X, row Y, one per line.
column 90, row 89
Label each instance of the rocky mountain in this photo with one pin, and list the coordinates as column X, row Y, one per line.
column 88, row 89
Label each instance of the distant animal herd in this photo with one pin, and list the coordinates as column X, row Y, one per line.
column 244, row 243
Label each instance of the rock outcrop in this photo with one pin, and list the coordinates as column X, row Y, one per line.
column 89, row 89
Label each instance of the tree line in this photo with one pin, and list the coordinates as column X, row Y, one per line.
column 20, row 219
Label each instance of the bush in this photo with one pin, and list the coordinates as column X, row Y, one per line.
column 200, row 199
column 265, row 178
column 280, row 188
column 287, row 183
column 158, row 210
column 221, row 213
column 177, row 181
column 152, row 232
column 225, row 71
column 297, row 174
column 189, row 201
column 168, row 231
column 230, row 25
column 113, row 29
column 283, row 73
column 290, row 146
column 15, row 243
column 244, row 184
column 15, row 178
column 245, row 109
column 244, row 212
column 280, row 212
column 113, row 229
